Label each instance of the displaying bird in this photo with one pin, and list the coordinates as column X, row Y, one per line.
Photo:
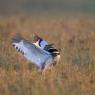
column 43, row 44
column 39, row 42
column 40, row 57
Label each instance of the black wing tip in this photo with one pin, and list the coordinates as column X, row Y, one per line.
column 49, row 45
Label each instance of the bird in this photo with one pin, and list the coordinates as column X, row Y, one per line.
column 43, row 44
column 40, row 57
column 39, row 42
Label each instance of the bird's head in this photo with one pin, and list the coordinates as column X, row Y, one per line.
column 36, row 38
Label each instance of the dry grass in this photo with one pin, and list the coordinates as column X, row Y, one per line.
column 74, row 75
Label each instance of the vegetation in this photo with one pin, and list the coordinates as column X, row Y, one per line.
column 75, row 73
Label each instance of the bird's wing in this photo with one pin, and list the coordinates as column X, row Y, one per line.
column 31, row 52
column 43, row 43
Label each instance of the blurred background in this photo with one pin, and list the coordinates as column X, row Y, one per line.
column 70, row 25
column 57, row 7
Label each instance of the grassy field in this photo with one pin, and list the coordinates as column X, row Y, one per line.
column 75, row 73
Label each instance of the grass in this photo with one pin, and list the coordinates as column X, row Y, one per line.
column 74, row 75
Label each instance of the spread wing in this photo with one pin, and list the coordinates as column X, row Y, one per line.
column 31, row 52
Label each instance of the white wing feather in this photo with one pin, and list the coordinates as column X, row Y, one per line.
column 33, row 53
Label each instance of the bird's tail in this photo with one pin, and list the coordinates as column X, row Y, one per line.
column 52, row 50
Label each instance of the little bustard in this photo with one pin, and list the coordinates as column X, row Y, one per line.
column 43, row 44
column 40, row 57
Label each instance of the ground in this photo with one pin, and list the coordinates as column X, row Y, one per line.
column 75, row 73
